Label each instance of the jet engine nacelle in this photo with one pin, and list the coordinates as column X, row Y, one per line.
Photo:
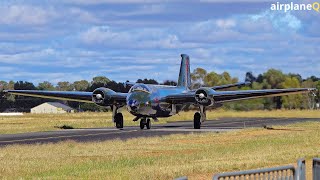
column 202, row 96
column 102, row 96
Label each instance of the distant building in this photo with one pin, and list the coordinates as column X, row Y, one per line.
column 52, row 107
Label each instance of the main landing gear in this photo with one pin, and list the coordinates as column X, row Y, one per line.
column 199, row 117
column 145, row 122
column 117, row 117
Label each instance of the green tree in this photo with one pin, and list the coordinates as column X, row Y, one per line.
column 170, row 83
column 226, row 77
column 10, row 85
column 82, row 85
column 212, row 79
column 250, row 77
column 197, row 77
column 97, row 82
column 298, row 76
column 64, row 86
column 46, row 85
column 309, row 100
column 3, row 85
column 100, row 80
column 275, row 78
column 24, row 85
column 147, row 81
column 291, row 101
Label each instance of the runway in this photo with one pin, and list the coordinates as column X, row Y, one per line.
column 181, row 127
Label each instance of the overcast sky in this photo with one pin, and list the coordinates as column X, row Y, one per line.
column 70, row 40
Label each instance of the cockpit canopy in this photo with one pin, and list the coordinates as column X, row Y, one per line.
column 140, row 87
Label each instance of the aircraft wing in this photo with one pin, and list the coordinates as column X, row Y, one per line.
column 231, row 85
column 78, row 96
column 227, row 96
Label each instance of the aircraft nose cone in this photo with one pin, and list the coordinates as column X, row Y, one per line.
column 133, row 105
column 134, row 108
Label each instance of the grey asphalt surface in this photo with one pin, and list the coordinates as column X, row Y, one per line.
column 181, row 127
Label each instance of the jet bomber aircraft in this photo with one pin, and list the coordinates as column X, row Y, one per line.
column 148, row 101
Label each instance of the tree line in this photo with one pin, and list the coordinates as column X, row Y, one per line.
column 271, row 79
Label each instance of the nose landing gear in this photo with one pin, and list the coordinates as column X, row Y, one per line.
column 145, row 122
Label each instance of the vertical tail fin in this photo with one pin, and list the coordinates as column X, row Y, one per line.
column 184, row 75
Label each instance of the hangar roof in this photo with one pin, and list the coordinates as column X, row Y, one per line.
column 58, row 105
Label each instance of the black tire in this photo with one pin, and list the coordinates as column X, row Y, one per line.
column 142, row 123
column 148, row 124
column 119, row 120
column 197, row 120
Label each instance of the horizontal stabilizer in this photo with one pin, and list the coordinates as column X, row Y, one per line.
column 129, row 84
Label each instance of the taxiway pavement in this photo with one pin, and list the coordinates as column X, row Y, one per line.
column 180, row 127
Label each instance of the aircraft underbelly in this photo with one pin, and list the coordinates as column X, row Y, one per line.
column 156, row 110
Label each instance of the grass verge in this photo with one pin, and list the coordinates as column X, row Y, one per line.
column 198, row 156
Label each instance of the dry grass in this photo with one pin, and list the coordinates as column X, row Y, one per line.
column 48, row 122
column 196, row 155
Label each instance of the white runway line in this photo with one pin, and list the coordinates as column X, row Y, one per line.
column 11, row 114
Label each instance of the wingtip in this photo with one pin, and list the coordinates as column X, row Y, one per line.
column 312, row 89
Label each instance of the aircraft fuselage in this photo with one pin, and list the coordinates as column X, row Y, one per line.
column 146, row 100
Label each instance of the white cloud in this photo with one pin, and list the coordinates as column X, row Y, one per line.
column 37, row 77
column 103, row 34
column 226, row 23
column 95, row 2
column 14, row 48
column 32, row 58
column 236, row 1
column 94, row 40
column 146, row 9
column 49, row 57
column 133, row 38
column 280, row 20
column 83, row 16
column 26, row 15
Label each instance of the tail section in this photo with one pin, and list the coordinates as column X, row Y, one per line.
column 184, row 75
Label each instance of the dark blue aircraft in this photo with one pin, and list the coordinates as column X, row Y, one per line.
column 147, row 101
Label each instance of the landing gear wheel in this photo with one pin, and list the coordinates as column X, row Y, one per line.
column 142, row 123
column 119, row 120
column 148, row 124
column 197, row 120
